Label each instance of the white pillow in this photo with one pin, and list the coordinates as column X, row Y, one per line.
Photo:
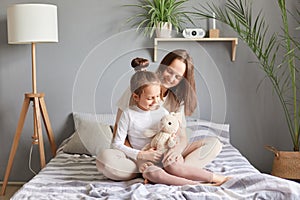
column 92, row 134
column 75, row 146
column 101, row 118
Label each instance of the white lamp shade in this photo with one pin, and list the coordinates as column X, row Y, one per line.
column 31, row 23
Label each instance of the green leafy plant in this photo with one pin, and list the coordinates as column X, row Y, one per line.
column 277, row 53
column 152, row 12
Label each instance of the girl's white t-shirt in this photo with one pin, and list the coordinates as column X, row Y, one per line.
column 133, row 123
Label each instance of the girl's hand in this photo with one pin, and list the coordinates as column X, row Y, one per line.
column 150, row 155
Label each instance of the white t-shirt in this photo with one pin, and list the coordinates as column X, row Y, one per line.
column 123, row 104
column 133, row 123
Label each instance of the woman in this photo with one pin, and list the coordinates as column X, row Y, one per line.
column 145, row 113
column 176, row 72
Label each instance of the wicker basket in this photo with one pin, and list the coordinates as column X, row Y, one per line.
column 286, row 164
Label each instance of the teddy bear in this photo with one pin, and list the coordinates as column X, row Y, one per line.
column 165, row 138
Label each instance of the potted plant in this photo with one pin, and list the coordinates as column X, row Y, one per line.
column 159, row 16
column 278, row 56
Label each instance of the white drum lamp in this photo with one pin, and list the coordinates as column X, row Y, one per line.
column 31, row 24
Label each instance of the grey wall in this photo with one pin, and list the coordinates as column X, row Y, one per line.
column 89, row 68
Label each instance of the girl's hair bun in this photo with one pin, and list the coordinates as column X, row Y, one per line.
column 139, row 64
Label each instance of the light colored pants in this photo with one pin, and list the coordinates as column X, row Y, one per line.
column 206, row 153
column 116, row 166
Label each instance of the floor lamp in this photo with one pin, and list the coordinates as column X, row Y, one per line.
column 31, row 24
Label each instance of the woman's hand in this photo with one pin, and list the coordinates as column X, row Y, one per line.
column 172, row 155
column 150, row 155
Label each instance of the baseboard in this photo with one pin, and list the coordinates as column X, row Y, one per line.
column 13, row 183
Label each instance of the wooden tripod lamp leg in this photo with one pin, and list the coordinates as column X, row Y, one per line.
column 15, row 143
column 47, row 125
column 38, row 124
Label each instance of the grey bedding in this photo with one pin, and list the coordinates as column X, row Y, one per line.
column 70, row 176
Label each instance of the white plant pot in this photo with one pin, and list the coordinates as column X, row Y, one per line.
column 163, row 30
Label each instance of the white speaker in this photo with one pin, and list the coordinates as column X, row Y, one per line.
column 193, row 33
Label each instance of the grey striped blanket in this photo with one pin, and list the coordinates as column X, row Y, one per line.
column 70, row 177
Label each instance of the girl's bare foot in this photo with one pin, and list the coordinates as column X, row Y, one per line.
column 144, row 166
column 219, row 179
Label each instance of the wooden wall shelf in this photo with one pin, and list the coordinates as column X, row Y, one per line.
column 234, row 42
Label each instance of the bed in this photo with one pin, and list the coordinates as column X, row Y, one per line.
column 75, row 176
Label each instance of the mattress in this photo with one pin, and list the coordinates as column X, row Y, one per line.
column 74, row 176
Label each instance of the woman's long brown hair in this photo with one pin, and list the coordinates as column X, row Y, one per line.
column 185, row 91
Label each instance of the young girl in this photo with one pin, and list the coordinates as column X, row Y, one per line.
column 145, row 113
